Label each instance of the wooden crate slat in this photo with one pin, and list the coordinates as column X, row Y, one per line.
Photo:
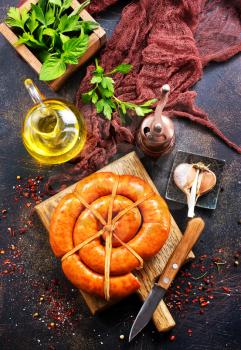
column 96, row 40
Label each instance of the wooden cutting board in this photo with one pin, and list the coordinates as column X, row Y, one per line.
column 129, row 164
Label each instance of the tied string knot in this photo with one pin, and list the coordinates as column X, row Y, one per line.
column 108, row 229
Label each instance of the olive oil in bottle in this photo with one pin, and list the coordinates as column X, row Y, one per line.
column 54, row 130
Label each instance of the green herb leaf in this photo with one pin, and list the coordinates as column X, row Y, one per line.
column 66, row 4
column 16, row 18
column 76, row 46
column 96, row 79
column 94, row 98
column 29, row 40
column 49, row 31
column 43, row 55
column 69, row 24
column 123, row 68
column 64, row 38
column 56, row 2
column 108, row 83
column 123, row 108
column 86, row 97
column 146, row 110
column 107, row 110
column 100, row 106
column 70, row 59
column 105, row 92
column 42, row 4
column 49, row 16
column 52, row 68
column 89, row 26
column 139, row 111
column 149, row 102
column 32, row 23
column 98, row 69
column 38, row 13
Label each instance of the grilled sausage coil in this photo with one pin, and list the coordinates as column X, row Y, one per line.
column 143, row 228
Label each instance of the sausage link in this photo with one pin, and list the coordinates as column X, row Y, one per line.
column 91, row 282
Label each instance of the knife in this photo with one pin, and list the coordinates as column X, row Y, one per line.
column 193, row 231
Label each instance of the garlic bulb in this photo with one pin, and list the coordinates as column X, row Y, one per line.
column 194, row 180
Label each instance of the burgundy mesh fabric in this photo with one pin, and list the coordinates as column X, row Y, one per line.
column 166, row 41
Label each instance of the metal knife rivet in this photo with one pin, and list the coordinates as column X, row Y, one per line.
column 166, row 280
column 175, row 266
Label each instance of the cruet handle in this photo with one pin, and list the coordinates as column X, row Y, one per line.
column 34, row 92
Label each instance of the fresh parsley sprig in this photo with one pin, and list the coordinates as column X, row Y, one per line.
column 57, row 35
column 103, row 94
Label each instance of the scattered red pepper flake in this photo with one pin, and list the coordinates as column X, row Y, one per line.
column 172, row 338
column 189, row 331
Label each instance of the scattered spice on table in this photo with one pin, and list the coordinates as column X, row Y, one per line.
column 199, row 285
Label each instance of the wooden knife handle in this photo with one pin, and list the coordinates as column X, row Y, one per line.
column 190, row 237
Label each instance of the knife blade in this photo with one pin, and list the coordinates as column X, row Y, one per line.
column 190, row 237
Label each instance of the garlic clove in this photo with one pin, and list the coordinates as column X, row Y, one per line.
column 194, row 180
column 207, row 182
column 184, row 175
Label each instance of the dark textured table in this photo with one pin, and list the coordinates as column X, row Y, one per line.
column 38, row 273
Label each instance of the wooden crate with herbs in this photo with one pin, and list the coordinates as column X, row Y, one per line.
column 71, row 18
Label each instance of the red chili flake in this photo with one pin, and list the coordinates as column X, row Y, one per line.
column 22, row 230
column 4, row 211
column 28, row 204
column 51, row 325
column 189, row 284
column 172, row 337
column 202, row 257
column 206, row 280
column 205, row 303
column 211, row 297
column 226, row 289
column 26, row 194
column 189, row 331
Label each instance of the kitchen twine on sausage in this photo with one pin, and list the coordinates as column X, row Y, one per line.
column 109, row 228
